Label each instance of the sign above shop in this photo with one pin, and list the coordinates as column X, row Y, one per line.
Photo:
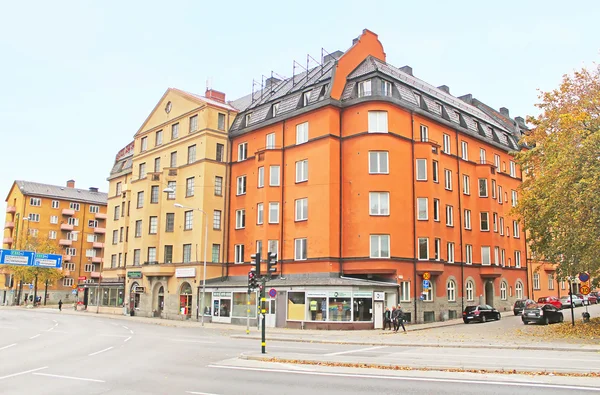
column 136, row 274
column 139, row 290
column 182, row 272
column 339, row 294
column 379, row 295
column 316, row 294
column 362, row 294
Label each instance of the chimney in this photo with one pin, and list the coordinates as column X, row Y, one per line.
column 355, row 41
column 444, row 88
column 407, row 70
column 332, row 56
column 93, row 189
column 215, row 95
column 504, row 111
column 468, row 98
column 71, row 184
column 271, row 81
column 520, row 120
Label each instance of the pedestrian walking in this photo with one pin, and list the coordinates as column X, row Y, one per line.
column 400, row 320
column 387, row 319
column 60, row 305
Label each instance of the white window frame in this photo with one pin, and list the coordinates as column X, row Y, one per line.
column 382, row 201
column 242, row 151
column 273, row 206
column 482, row 215
column 300, row 247
column 302, row 171
column 447, row 147
column 450, row 252
column 519, row 290
column 421, row 174
column 54, row 219
column 260, row 213
column 425, row 241
column 364, row 88
column 451, row 290
column 301, row 133
column 270, row 143
column 464, row 150
column 378, row 169
column 513, row 169
column 35, row 202
column 497, row 162
column 435, row 171
column 301, row 209
column 56, row 203
column 424, row 133
column 261, row 177
column 503, row 290
column 536, row 281
column 468, row 254
column 52, row 235
column 516, row 230
column 468, row 219
column 497, row 256
column 482, row 156
column 239, row 253
column 274, row 176
column 470, row 290
column 386, row 88
column 405, row 291
column 518, row 259
column 449, row 215
column 240, row 218
column 241, row 185
column 486, row 258
column 422, row 208
column 380, row 240
column 378, row 121
column 437, row 249
column 466, row 184
column 513, row 198
column 448, row 179
column 436, row 210
column 480, row 184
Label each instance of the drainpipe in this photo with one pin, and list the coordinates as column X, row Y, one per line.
column 414, row 198
column 341, row 197
column 460, row 230
column 281, row 238
column 227, row 197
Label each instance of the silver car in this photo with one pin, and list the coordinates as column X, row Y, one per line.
column 566, row 301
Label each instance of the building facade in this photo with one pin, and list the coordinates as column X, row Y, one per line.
column 166, row 188
column 73, row 218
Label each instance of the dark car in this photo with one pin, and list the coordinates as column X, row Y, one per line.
column 481, row 313
column 520, row 305
column 541, row 314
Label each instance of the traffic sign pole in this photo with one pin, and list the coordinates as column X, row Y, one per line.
column 263, row 312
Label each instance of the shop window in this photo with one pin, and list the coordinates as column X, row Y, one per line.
column 363, row 309
column 240, row 304
column 317, row 308
column 339, row 309
column 296, row 306
column 185, row 300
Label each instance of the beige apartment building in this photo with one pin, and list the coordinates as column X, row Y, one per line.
column 155, row 249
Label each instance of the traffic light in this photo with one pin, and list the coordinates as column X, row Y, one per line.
column 271, row 263
column 252, row 281
column 255, row 260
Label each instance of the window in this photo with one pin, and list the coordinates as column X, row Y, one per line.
column 495, row 221
column 173, row 160
column 513, row 169
column 117, row 213
column 379, row 203
column 217, row 219
column 220, row 151
column 92, row 223
column 158, row 138
column 218, row 186
column 378, row 122
column 144, row 144
column 142, row 170
column 516, row 233
column 302, row 209
column 536, row 281
column 467, row 219
column 157, row 165
column 436, row 209
column 496, row 256
column 464, row 150
column 241, row 185
column 189, row 187
column 424, row 133
column 450, row 248
column 248, row 119
column 448, row 179
column 302, row 133
column 274, row 176
column 187, row 253
column 300, row 249
column 446, row 146
column 154, row 194
column 468, row 254
column 380, row 246
column 302, row 170
column 421, row 169
column 94, row 209
column 274, row 212
column 270, row 141
column 423, row 248
column 550, row 281
column 153, row 226
column 34, row 232
column 168, row 254
column 364, row 88
column 71, row 251
column 483, row 190
column 493, row 188
column 517, row 259
column 481, row 155
column 513, row 198
column 438, row 249
column 55, row 203
column 136, row 257
column 240, row 219
column 52, row 235
column 500, row 194
column 503, row 287
column 405, row 291
column 140, row 199
column 386, row 88
column 36, row 202
column 519, row 290
column 485, row 255
column 273, row 246
column 73, row 221
column 466, row 184
column 68, row 282
column 191, row 154
column 449, row 216
column 470, row 288
column 417, row 99
column 451, row 291
column 422, row 209
column 216, row 253
column 174, row 131
column 305, row 98
column 497, row 162
column 53, row 219
column 221, row 125
column 563, row 284
column 242, row 151
column 239, row 253
column 484, row 221
column 170, row 222
column 428, row 293
column 260, row 213
column 188, row 220
column 193, row 123
column 378, row 162
column 435, row 166
column 74, row 206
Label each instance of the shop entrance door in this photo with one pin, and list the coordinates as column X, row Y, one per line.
column 378, row 315
column 222, row 307
column 270, row 316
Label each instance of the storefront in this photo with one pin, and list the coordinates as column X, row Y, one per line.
column 185, row 300
column 221, row 310
column 109, row 296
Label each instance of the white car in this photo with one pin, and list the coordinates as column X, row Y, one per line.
column 566, row 301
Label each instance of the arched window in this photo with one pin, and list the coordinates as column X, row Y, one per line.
column 470, row 290
column 186, row 289
column 451, row 291
column 503, row 287
column 519, row 290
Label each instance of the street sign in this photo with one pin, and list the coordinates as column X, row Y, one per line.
column 426, row 276
column 272, row 292
column 74, row 286
column 30, row 286
column 16, row 257
column 584, row 289
column 74, row 292
column 426, row 284
column 50, row 261
column 422, row 297
column 583, row 277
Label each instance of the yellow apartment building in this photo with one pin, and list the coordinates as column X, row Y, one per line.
column 74, row 218
column 155, row 250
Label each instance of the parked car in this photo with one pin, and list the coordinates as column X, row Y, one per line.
column 520, row 304
column 566, row 301
column 541, row 314
column 481, row 313
column 588, row 299
column 553, row 300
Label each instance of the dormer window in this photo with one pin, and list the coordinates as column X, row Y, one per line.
column 476, row 123
column 439, row 106
column 276, row 109
column 364, row 88
column 305, row 98
column 418, row 98
column 248, row 118
column 386, row 88
column 322, row 92
column 457, row 116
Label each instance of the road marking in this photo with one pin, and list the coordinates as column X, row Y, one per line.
column 125, row 327
column 130, row 331
column 101, row 351
column 33, row 337
column 192, row 341
column 353, row 351
column 300, row 348
column 126, row 340
column 21, row 373
column 8, row 327
column 69, row 377
column 433, row 380
column 109, row 335
column 9, row 346
column 49, row 330
column 199, row 393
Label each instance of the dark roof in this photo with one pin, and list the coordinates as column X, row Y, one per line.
column 29, row 188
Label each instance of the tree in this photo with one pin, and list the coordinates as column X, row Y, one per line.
column 560, row 196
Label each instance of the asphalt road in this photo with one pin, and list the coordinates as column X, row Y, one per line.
column 46, row 352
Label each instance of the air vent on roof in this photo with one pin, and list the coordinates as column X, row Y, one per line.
column 468, row 98
column 407, row 70
column 93, row 189
column 444, row 88
column 504, row 111
column 332, row 56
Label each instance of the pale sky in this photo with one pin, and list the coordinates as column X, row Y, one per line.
column 78, row 78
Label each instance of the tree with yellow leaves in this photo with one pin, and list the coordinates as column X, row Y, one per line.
column 560, row 196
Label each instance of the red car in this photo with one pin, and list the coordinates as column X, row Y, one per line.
column 554, row 301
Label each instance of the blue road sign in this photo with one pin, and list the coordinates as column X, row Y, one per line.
column 272, row 292
column 583, row 277
column 426, row 284
column 16, row 257
column 50, row 261
column 74, row 292
column 30, row 286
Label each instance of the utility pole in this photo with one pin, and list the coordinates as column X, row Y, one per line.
column 263, row 313
column 571, row 300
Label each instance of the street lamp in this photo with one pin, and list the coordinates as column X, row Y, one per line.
column 172, row 190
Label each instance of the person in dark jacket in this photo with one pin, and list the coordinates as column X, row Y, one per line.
column 399, row 321
column 387, row 319
column 60, row 305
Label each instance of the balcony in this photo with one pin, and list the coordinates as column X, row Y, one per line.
column 11, row 209
column 490, row 271
column 9, row 225
column 95, row 274
column 66, row 227
column 97, row 244
column 100, row 231
column 68, row 211
column 67, row 258
column 65, row 242
column 97, row 259
column 433, row 267
column 158, row 270
column 549, row 267
column 66, row 272
column 7, row 240
column 101, row 216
